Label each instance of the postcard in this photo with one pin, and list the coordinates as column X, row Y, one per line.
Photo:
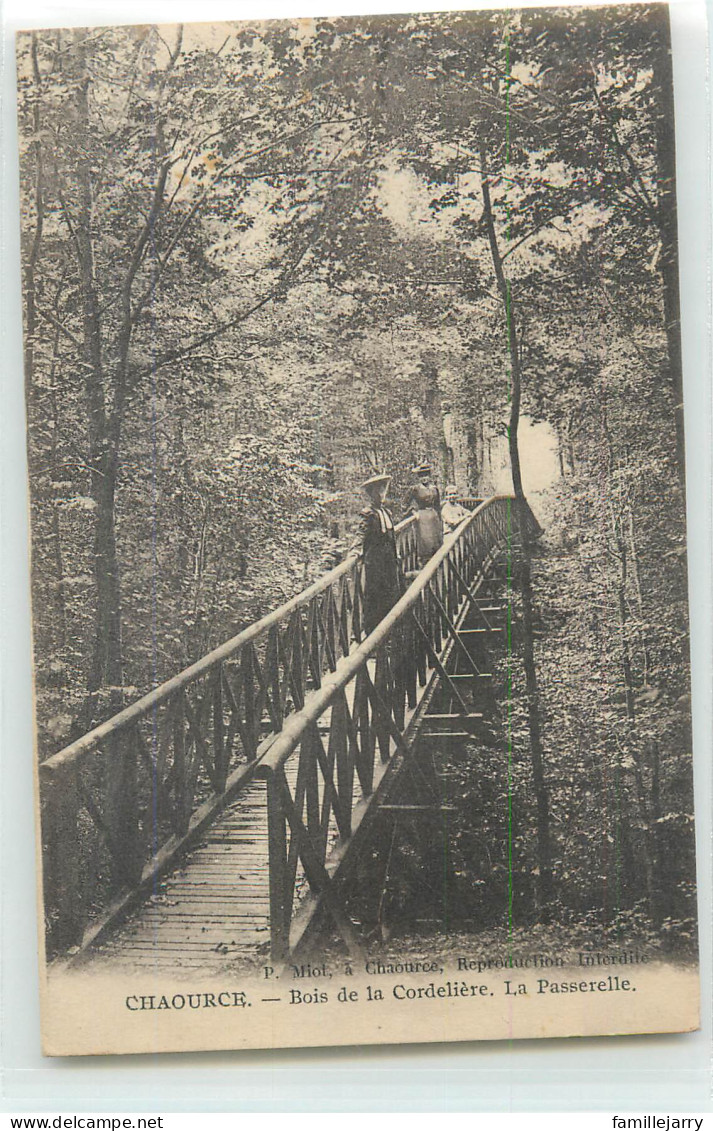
column 356, row 453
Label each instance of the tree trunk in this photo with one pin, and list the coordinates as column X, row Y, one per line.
column 644, row 808
column 29, row 279
column 537, row 755
column 512, row 340
column 106, row 667
column 54, row 504
column 544, row 850
column 662, row 87
column 472, row 462
column 560, row 453
column 645, row 655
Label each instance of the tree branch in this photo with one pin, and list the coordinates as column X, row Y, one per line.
column 624, row 151
column 224, row 327
column 59, row 326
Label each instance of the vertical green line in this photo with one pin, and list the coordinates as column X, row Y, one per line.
column 440, row 785
column 507, row 321
column 509, row 532
column 446, row 843
column 617, row 845
column 509, row 716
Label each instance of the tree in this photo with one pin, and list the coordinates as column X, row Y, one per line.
column 158, row 151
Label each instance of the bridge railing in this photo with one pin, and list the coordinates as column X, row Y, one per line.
column 346, row 737
column 121, row 801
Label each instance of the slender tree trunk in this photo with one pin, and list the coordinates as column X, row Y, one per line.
column 30, row 268
column 646, row 658
column 472, row 462
column 106, row 668
column 107, row 665
column 537, row 754
column 644, row 808
column 56, row 524
column 480, row 450
column 560, row 454
column 503, row 285
column 180, row 462
column 662, row 87
column 59, row 576
column 544, row 850
column 616, row 520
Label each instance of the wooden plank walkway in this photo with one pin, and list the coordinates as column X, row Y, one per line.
column 214, row 908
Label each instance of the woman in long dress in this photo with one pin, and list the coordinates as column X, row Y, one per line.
column 424, row 500
column 376, row 543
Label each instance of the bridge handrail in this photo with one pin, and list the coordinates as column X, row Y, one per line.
column 228, row 650
column 291, row 734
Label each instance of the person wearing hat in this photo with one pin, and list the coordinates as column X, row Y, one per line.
column 376, row 544
column 452, row 512
column 424, row 500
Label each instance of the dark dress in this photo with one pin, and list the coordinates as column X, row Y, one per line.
column 424, row 501
column 382, row 574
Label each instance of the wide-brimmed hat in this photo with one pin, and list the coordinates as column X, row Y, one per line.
column 422, row 468
column 377, row 480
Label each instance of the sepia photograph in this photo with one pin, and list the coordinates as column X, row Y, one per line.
column 357, row 482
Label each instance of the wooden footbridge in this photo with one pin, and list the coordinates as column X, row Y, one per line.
column 223, row 812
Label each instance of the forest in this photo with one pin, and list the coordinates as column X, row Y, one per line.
column 263, row 259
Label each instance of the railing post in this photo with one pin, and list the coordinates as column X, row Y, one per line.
column 62, row 865
column 179, row 765
column 409, row 660
column 315, row 643
column 308, row 757
column 299, row 676
column 331, row 632
column 365, row 759
column 454, row 599
column 272, row 673
column 344, row 617
column 121, row 813
column 251, row 723
column 277, row 866
column 382, row 684
column 420, row 612
column 398, row 646
column 221, row 756
column 358, row 606
column 434, row 621
column 344, row 762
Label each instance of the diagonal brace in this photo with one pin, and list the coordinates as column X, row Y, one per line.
column 317, row 874
column 438, row 665
column 471, row 599
column 456, row 637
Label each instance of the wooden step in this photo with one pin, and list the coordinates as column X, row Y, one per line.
column 431, row 734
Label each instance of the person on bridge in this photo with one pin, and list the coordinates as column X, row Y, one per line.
column 452, row 512
column 376, row 543
column 424, row 500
